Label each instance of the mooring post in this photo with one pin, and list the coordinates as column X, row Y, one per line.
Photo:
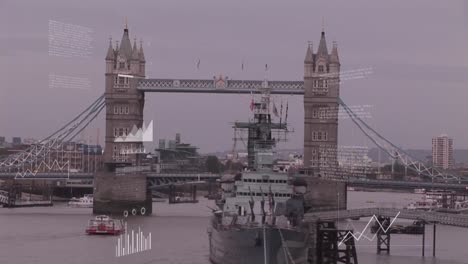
column 434, row 240
column 423, row 238
column 194, row 194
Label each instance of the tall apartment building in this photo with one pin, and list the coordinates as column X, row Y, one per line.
column 442, row 152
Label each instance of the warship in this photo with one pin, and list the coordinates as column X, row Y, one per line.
column 258, row 219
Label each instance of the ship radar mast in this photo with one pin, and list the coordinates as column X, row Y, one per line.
column 260, row 130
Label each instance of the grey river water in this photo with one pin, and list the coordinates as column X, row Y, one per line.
column 53, row 235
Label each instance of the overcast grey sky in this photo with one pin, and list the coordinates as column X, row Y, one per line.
column 417, row 50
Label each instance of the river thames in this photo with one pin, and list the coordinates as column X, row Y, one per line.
column 52, row 235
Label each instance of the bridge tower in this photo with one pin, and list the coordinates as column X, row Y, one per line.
column 125, row 65
column 123, row 190
column 321, row 92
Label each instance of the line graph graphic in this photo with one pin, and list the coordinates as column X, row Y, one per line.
column 144, row 134
column 358, row 235
column 45, row 166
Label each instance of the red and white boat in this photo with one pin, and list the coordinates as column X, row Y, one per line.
column 104, row 225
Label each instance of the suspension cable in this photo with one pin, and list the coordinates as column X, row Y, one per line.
column 412, row 164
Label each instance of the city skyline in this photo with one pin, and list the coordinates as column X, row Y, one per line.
column 406, row 71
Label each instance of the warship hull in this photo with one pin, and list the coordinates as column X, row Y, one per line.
column 257, row 245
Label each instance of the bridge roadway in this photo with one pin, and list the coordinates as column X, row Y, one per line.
column 431, row 217
column 90, row 176
column 406, row 185
column 166, row 177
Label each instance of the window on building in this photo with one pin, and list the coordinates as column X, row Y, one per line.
column 121, row 131
column 319, row 136
column 122, row 80
column 116, row 133
column 121, row 65
column 321, row 68
column 127, row 110
column 116, row 110
column 325, row 136
column 314, row 136
column 314, row 113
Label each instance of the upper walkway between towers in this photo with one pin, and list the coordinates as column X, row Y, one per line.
column 219, row 85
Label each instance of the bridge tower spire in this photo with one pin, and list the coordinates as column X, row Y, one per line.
column 116, row 193
column 321, row 92
column 124, row 103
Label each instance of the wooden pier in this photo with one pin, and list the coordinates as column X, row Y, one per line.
column 431, row 217
column 324, row 238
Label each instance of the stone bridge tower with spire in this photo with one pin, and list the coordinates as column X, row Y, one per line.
column 322, row 90
column 118, row 191
column 125, row 65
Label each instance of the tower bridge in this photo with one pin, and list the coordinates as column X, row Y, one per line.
column 123, row 102
column 126, row 85
column 219, row 85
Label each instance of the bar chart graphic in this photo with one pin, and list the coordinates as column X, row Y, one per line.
column 132, row 242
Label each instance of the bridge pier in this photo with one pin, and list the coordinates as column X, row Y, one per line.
column 327, row 244
column 383, row 242
column 383, row 235
column 192, row 192
column 116, row 194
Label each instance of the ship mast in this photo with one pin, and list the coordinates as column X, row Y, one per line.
column 260, row 142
